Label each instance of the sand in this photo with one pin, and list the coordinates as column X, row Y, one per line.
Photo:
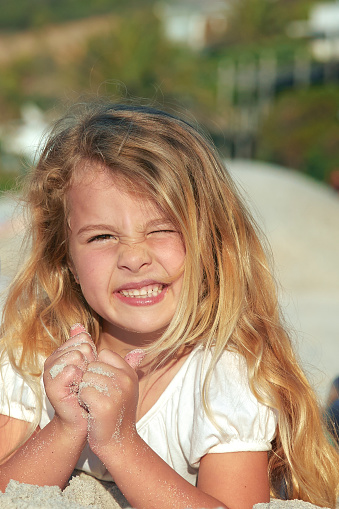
column 82, row 492
column 85, row 491
column 286, row 504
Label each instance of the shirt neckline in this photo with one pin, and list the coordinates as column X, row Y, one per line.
column 164, row 396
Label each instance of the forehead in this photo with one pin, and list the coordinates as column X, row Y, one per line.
column 96, row 191
column 90, row 173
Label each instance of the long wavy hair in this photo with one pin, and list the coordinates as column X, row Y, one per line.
column 228, row 296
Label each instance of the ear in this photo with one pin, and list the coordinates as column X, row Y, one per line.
column 73, row 271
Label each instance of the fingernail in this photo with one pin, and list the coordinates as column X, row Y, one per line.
column 77, row 328
column 135, row 357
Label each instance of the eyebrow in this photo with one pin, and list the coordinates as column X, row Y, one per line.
column 108, row 227
column 94, row 227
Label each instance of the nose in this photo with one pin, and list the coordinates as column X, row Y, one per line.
column 134, row 257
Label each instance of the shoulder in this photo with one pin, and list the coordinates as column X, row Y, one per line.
column 17, row 396
column 229, row 370
column 200, row 356
column 233, row 416
column 224, row 384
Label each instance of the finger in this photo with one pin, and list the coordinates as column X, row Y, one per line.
column 103, row 369
column 68, row 358
column 111, row 358
column 99, row 383
column 114, row 371
column 78, row 339
column 99, row 386
column 102, row 375
column 71, row 376
column 89, row 397
column 76, row 329
column 135, row 357
column 79, row 331
column 116, row 361
column 81, row 341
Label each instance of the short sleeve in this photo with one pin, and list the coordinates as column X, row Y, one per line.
column 16, row 397
column 240, row 422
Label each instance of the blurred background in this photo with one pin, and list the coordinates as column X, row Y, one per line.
column 261, row 77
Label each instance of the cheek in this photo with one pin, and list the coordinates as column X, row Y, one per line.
column 89, row 267
column 172, row 256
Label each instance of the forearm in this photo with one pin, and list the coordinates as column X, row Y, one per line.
column 47, row 458
column 148, row 482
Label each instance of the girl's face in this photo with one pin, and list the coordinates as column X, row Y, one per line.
column 126, row 256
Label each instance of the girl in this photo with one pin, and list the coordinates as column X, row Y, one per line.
column 139, row 235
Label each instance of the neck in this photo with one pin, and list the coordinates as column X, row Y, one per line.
column 122, row 341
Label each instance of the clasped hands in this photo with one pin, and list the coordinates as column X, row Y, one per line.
column 93, row 395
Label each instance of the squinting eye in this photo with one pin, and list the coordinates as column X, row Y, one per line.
column 103, row 237
column 161, row 232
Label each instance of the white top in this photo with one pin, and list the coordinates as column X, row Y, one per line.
column 176, row 427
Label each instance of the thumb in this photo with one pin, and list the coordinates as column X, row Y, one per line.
column 76, row 329
column 135, row 357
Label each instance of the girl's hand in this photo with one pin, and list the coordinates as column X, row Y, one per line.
column 63, row 372
column 109, row 391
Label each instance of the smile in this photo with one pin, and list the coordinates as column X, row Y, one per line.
column 146, row 295
column 146, row 291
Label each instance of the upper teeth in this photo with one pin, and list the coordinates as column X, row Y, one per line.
column 147, row 291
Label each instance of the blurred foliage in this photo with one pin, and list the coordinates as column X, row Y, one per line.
column 256, row 18
column 132, row 58
column 8, row 181
column 302, row 131
column 157, row 70
column 9, row 170
column 31, row 14
column 256, row 21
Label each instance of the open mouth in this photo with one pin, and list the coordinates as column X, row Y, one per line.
column 144, row 292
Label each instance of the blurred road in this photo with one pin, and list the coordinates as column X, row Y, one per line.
column 301, row 220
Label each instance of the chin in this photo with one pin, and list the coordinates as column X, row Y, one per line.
column 149, row 331
column 146, row 330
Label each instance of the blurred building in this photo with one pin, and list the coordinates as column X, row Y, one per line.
column 22, row 137
column 196, row 23
column 322, row 28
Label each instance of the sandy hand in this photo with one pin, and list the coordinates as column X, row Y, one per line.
column 63, row 373
column 109, row 391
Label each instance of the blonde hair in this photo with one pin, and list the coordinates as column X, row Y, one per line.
column 228, row 298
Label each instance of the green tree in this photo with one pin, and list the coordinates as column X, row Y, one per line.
column 302, row 131
column 259, row 21
column 28, row 14
column 136, row 60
